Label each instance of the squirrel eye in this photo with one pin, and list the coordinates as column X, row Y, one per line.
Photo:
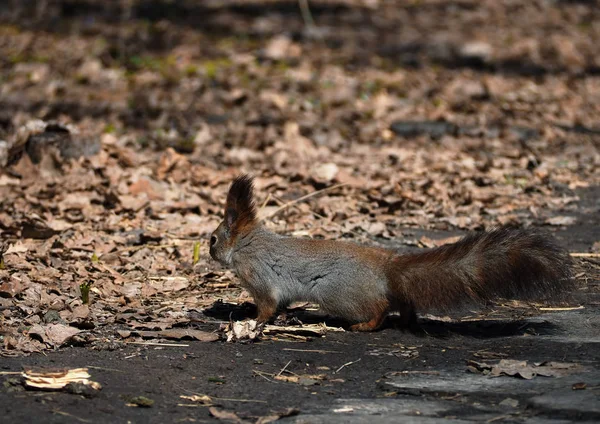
column 213, row 240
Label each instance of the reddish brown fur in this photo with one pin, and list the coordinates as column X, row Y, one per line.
column 505, row 263
column 240, row 211
column 378, row 312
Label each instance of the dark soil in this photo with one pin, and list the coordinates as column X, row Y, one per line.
column 227, row 371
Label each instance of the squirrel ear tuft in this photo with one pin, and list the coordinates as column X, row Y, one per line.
column 231, row 216
column 240, row 211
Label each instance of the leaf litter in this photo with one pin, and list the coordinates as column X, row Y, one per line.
column 523, row 369
column 47, row 379
column 116, row 183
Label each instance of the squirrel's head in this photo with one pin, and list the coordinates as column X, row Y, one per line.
column 240, row 219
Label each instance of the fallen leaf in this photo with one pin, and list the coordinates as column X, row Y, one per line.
column 324, row 172
column 80, row 312
column 288, row 412
column 303, row 380
column 141, row 401
column 561, row 220
column 223, row 415
column 10, row 288
column 58, row 334
column 516, row 368
column 430, row 243
column 17, row 247
column 242, row 330
column 202, row 399
column 58, row 379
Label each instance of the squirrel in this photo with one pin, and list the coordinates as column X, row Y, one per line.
column 362, row 284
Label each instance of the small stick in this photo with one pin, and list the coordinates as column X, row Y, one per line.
column 227, row 399
column 10, row 373
column 159, row 344
column 585, row 255
column 498, row 418
column 572, row 308
column 310, row 350
column 239, row 400
column 103, row 369
column 346, row 364
column 260, row 373
column 66, row 414
column 283, row 369
column 266, row 201
column 300, row 199
column 306, row 15
column 416, row 372
column 318, row 215
column 149, row 246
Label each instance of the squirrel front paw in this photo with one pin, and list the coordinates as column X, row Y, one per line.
column 266, row 310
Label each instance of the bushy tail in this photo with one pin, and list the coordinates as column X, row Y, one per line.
column 502, row 263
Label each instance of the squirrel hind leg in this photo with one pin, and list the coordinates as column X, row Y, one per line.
column 378, row 316
column 371, row 325
column 408, row 319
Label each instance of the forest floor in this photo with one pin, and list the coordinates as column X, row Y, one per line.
column 406, row 122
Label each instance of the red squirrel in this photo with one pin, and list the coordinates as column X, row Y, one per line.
column 362, row 284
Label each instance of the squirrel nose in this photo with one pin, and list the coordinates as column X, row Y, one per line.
column 213, row 240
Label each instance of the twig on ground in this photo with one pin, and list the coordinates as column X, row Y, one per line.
column 262, row 374
column 306, row 14
column 159, row 344
column 283, row 369
column 220, row 398
column 310, row 350
column 570, row 308
column 266, row 201
column 498, row 418
column 141, row 246
column 585, row 255
column 239, row 400
column 300, row 199
column 66, row 414
column 318, row 215
column 103, row 368
column 346, row 364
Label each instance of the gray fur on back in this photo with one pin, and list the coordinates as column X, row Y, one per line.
column 295, row 271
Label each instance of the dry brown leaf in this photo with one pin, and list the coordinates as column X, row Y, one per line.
column 11, row 288
column 223, row 415
column 202, row 399
column 561, row 220
column 58, row 379
column 242, row 330
column 516, row 368
column 303, row 380
column 59, row 334
column 288, row 412
column 80, row 312
column 429, row 242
